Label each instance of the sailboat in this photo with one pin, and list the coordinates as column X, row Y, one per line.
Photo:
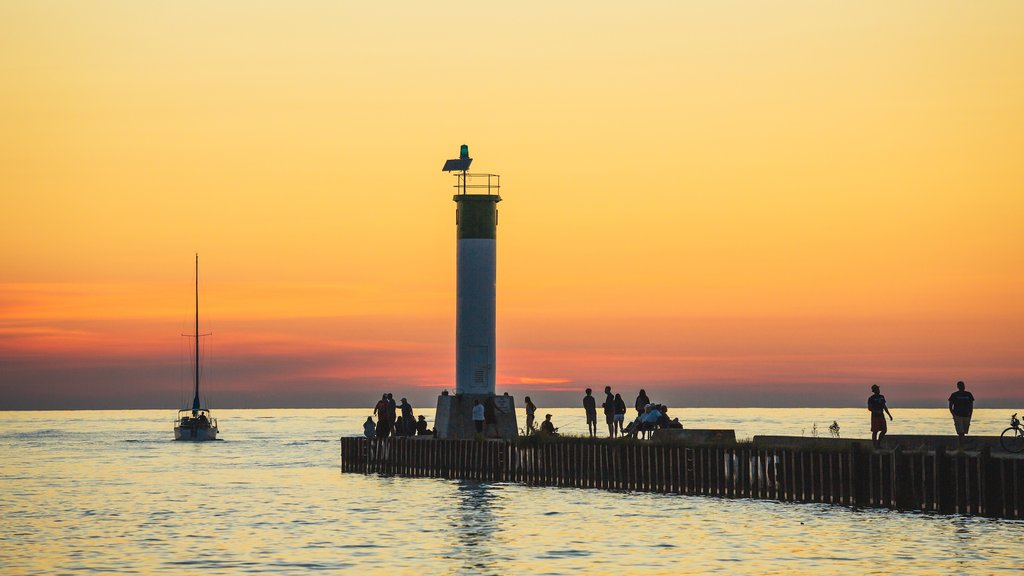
column 195, row 423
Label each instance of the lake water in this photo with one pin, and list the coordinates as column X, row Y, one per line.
column 110, row 493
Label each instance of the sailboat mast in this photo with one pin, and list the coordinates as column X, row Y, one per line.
column 195, row 401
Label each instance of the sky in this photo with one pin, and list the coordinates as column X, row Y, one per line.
column 725, row 203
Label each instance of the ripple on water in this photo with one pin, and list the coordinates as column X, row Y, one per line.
column 79, row 498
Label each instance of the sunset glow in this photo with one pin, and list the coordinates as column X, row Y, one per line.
column 727, row 204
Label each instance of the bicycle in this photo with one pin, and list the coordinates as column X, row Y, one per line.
column 1012, row 439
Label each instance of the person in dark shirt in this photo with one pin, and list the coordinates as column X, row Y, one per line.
column 620, row 414
column 878, row 409
column 590, row 407
column 609, row 410
column 407, row 417
column 381, row 411
column 547, row 426
column 641, row 402
column 421, row 426
column 961, row 406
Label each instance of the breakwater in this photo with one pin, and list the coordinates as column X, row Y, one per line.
column 854, row 475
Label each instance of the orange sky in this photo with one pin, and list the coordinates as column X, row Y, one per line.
column 731, row 203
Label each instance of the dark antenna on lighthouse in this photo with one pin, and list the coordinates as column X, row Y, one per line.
column 465, row 181
column 460, row 164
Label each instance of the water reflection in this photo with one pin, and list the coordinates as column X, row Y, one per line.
column 475, row 528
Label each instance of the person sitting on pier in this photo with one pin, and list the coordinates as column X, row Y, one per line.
column 649, row 420
column 421, row 427
column 369, row 429
column 547, row 427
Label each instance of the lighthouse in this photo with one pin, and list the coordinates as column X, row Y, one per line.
column 476, row 222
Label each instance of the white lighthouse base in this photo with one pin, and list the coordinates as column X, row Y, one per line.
column 454, row 417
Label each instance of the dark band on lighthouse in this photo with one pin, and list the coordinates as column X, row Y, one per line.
column 477, row 215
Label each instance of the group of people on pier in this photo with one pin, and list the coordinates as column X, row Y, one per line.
column 650, row 416
column 961, row 408
column 394, row 419
column 397, row 418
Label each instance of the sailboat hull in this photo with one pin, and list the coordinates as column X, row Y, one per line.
column 195, row 434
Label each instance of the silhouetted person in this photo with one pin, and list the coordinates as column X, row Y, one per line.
column 421, row 427
column 381, row 411
column 392, row 410
column 620, row 414
column 961, row 406
column 609, row 410
column 547, row 426
column 491, row 417
column 368, row 428
column 407, row 418
column 590, row 407
column 641, row 402
column 478, row 416
column 878, row 409
column 531, row 411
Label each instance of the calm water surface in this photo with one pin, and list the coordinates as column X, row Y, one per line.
column 108, row 492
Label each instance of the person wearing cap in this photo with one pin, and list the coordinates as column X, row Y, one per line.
column 547, row 426
column 878, row 409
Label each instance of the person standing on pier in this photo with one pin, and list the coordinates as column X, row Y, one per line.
column 531, row 413
column 392, row 410
column 641, row 402
column 620, row 414
column 407, row 418
column 878, row 409
column 961, row 406
column 381, row 411
column 590, row 407
column 478, row 416
column 609, row 410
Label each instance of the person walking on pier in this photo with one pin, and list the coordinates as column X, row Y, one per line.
column 641, row 402
column 620, row 415
column 478, row 416
column 878, row 409
column 531, row 412
column 961, row 406
column 590, row 407
column 609, row 410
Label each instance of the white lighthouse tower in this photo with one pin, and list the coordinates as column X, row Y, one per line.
column 476, row 221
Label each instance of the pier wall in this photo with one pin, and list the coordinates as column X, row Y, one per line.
column 977, row 483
